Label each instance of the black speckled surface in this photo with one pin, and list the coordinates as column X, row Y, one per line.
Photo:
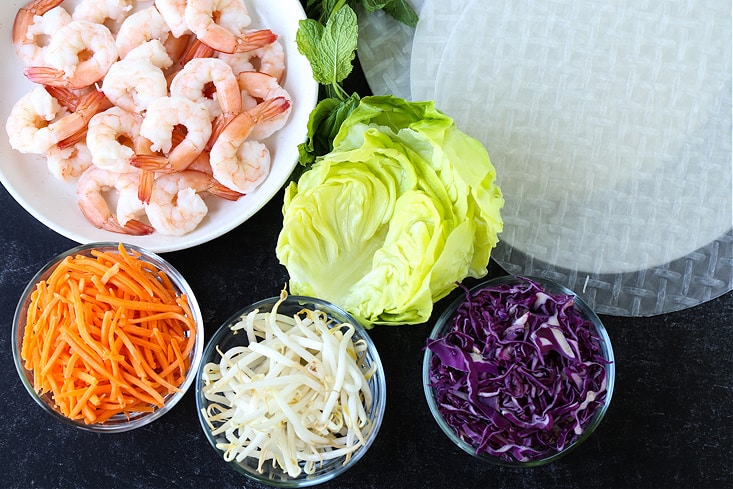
column 669, row 424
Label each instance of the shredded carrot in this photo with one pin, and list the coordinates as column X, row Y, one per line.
column 108, row 336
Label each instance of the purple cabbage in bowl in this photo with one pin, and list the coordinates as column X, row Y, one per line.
column 519, row 371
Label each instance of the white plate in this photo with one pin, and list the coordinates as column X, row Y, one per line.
column 53, row 202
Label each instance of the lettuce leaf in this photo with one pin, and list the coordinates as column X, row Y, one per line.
column 403, row 208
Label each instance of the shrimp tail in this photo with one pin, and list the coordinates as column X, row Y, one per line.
column 224, row 192
column 197, row 49
column 242, row 123
column 151, row 162
column 218, row 125
column 92, row 103
column 89, row 105
column 25, row 17
column 73, row 139
column 176, row 161
column 110, row 223
column 45, row 75
column 136, row 228
column 255, row 40
column 65, row 96
column 271, row 108
column 241, row 44
column 145, row 187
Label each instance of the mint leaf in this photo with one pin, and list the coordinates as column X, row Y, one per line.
column 374, row 5
column 339, row 41
column 324, row 123
column 308, row 39
column 330, row 49
column 401, row 11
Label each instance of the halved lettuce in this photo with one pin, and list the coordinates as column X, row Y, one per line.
column 403, row 207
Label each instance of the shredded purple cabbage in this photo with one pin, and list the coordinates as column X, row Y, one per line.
column 519, row 375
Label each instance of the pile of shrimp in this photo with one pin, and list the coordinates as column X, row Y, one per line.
column 148, row 106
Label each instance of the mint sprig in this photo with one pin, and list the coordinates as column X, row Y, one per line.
column 330, row 49
column 328, row 39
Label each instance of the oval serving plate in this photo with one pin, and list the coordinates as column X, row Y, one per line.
column 53, row 202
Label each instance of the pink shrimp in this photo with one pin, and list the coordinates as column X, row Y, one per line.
column 257, row 87
column 160, row 125
column 173, row 13
column 237, row 162
column 37, row 121
column 220, row 24
column 79, row 55
column 176, row 208
column 92, row 186
column 33, row 23
column 68, row 161
column 269, row 59
column 194, row 79
column 108, row 12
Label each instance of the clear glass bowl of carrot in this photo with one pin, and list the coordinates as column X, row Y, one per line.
column 107, row 337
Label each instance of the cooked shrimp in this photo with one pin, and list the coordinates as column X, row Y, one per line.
column 134, row 82
column 153, row 52
column 176, row 208
column 269, row 59
column 142, row 26
column 161, row 120
column 110, row 136
column 257, row 87
column 173, row 13
column 34, row 25
column 108, row 12
column 79, row 54
column 193, row 81
column 245, row 170
column 91, row 190
column 237, row 162
column 69, row 161
column 230, row 14
column 221, row 23
column 29, row 120
column 37, row 121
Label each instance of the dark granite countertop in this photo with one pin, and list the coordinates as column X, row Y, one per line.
column 669, row 424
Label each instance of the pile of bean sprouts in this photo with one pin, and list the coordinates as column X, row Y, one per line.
column 297, row 395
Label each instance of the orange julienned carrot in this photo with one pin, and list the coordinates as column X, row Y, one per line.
column 107, row 335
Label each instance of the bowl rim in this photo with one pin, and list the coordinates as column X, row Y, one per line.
column 26, row 376
column 605, row 345
column 380, row 396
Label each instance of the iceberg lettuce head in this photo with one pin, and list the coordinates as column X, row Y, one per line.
column 403, row 208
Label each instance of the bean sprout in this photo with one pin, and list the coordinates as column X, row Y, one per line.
column 297, row 395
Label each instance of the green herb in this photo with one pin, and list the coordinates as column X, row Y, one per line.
column 330, row 49
column 328, row 39
column 323, row 125
column 400, row 10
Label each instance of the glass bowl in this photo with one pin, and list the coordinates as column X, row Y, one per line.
column 605, row 362
column 120, row 421
column 226, row 340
